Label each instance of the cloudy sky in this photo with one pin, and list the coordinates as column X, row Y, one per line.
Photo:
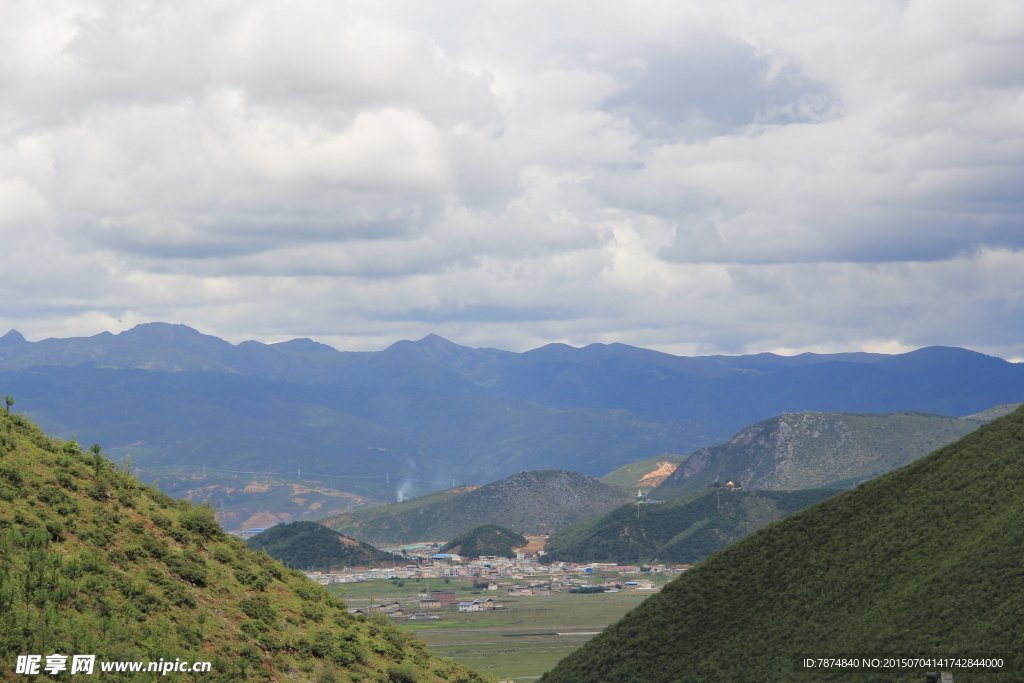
column 712, row 176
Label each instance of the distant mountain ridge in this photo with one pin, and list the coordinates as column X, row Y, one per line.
column 812, row 450
column 429, row 411
column 534, row 502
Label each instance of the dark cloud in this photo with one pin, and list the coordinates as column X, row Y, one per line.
column 708, row 86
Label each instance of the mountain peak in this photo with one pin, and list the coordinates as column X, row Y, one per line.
column 174, row 335
column 437, row 341
column 432, row 349
column 13, row 338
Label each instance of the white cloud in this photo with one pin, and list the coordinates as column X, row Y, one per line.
column 699, row 177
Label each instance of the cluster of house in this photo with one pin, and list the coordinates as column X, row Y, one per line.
column 493, row 569
column 428, row 604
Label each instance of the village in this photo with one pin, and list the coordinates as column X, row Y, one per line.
column 493, row 579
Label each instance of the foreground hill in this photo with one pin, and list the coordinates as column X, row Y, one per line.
column 681, row 531
column 93, row 562
column 534, row 502
column 808, row 450
column 924, row 562
column 489, row 539
column 302, row 545
column 410, row 417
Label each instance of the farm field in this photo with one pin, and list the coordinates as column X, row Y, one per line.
column 521, row 642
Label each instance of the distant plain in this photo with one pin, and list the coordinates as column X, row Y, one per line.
column 494, row 643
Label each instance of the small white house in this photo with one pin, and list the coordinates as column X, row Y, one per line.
column 478, row 605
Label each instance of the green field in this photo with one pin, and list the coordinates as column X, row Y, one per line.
column 500, row 643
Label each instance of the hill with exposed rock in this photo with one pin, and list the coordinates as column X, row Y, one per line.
column 645, row 474
column 812, row 450
column 534, row 502
column 920, row 561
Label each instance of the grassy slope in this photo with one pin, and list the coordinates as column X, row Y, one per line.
column 527, row 502
column 93, row 562
column 685, row 530
column 814, row 450
column 927, row 559
column 308, row 544
column 628, row 476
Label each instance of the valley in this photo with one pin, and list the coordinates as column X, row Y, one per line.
column 521, row 642
column 401, row 476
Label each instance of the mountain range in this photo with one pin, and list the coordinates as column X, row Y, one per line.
column 411, row 418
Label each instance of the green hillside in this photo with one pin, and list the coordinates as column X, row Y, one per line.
column 680, row 531
column 93, row 562
column 925, row 561
column 307, row 544
column 533, row 502
column 645, row 474
column 489, row 539
column 814, row 450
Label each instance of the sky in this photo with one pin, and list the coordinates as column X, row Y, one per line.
column 721, row 176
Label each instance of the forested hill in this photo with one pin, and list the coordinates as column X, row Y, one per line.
column 528, row 503
column 489, row 539
column 680, row 531
column 93, row 562
column 924, row 560
column 302, row 545
column 807, row 450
